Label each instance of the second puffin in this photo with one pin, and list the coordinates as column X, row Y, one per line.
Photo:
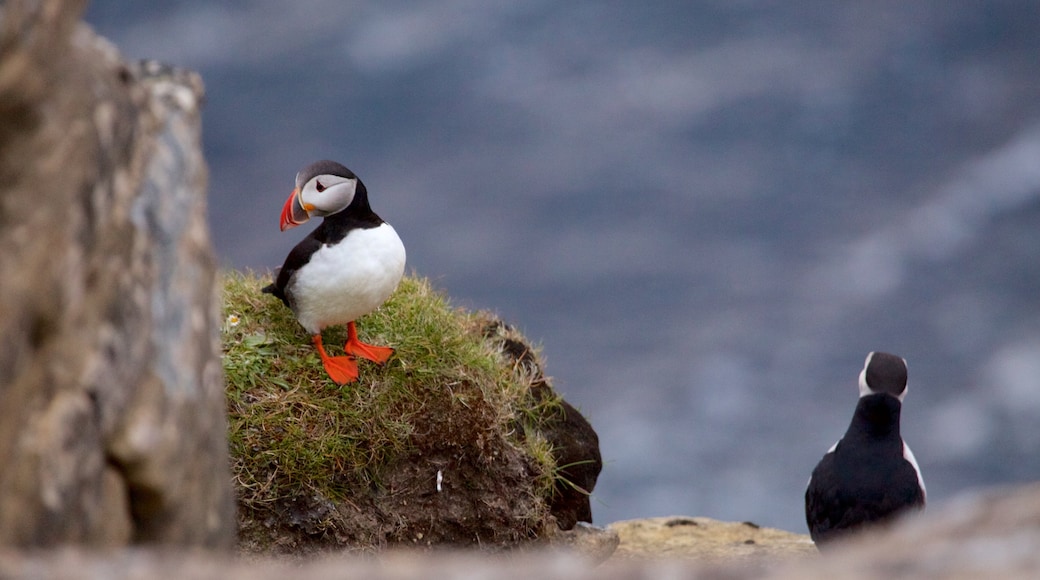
column 347, row 267
column 870, row 475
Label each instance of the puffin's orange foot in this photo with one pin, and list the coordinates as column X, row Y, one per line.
column 376, row 354
column 341, row 369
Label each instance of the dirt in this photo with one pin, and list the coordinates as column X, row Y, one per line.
column 485, row 498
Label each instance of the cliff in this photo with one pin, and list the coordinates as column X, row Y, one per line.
column 112, row 427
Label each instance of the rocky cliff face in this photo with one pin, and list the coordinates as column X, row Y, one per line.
column 112, row 427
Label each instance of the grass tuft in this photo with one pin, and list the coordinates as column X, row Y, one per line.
column 293, row 431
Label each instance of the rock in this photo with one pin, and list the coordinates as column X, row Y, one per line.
column 112, row 421
column 393, row 565
column 576, row 452
column 587, row 541
column 574, row 441
column 989, row 535
column 390, row 565
column 707, row 540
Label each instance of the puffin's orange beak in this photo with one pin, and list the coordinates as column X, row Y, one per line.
column 293, row 213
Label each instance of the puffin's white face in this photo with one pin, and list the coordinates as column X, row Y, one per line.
column 324, row 195
column 318, row 196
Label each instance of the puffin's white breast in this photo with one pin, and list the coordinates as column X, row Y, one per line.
column 344, row 281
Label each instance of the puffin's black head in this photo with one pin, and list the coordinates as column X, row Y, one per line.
column 883, row 373
column 323, row 188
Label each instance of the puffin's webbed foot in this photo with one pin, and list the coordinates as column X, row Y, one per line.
column 376, row 354
column 341, row 369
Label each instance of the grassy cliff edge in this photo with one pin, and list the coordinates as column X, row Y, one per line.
column 439, row 446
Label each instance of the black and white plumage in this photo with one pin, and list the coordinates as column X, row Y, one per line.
column 347, row 267
column 870, row 475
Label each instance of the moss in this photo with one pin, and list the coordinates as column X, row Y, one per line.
column 448, row 392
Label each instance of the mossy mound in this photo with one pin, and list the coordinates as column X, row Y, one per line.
column 441, row 445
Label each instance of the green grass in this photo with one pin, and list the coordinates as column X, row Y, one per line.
column 293, row 430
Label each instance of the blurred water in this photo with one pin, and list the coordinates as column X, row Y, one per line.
column 707, row 212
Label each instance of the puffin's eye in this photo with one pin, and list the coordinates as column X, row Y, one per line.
column 319, row 186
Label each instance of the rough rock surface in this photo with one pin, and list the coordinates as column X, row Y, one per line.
column 584, row 540
column 707, row 540
column 990, row 535
column 112, row 426
column 575, row 443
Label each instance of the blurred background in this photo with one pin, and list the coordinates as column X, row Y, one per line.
column 706, row 212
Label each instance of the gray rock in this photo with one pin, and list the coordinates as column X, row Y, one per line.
column 112, row 421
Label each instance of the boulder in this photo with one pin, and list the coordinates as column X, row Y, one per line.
column 112, row 420
column 575, row 444
column 707, row 540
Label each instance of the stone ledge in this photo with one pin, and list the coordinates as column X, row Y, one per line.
column 706, row 540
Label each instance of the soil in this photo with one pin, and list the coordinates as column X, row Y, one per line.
column 486, row 498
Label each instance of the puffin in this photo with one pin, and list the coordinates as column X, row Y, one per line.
column 870, row 476
column 346, row 268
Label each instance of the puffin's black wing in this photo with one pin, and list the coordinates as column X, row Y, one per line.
column 823, row 504
column 845, row 494
column 296, row 259
column 841, row 497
